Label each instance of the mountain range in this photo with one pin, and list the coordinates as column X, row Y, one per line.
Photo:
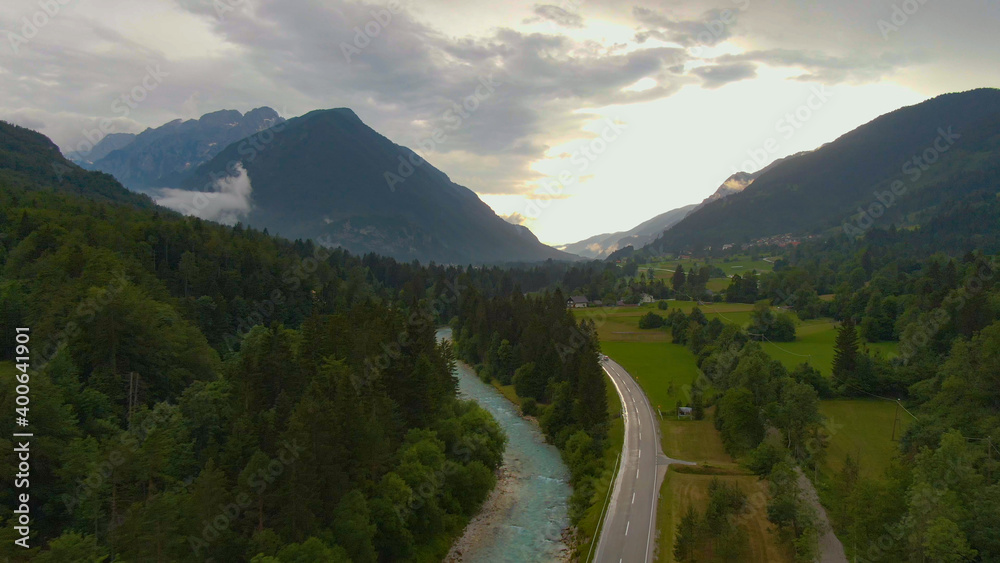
column 902, row 168
column 329, row 177
column 164, row 156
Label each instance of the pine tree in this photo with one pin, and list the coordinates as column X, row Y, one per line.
column 679, row 278
column 845, row 358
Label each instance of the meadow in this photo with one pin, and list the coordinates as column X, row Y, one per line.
column 681, row 490
column 664, row 269
column 814, row 345
column 864, row 429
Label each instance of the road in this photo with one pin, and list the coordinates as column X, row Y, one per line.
column 629, row 532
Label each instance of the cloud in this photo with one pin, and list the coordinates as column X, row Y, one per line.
column 409, row 75
column 715, row 76
column 515, row 218
column 230, row 201
column 827, row 68
column 556, row 15
column 711, row 28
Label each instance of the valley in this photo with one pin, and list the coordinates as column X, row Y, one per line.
column 243, row 335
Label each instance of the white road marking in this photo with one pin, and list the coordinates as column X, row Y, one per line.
column 626, row 527
column 633, row 497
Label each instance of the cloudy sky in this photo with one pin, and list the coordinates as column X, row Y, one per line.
column 599, row 114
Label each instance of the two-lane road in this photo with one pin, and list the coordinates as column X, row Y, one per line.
column 629, row 532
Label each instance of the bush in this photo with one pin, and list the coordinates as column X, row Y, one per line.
column 662, row 305
column 651, row 320
column 529, row 407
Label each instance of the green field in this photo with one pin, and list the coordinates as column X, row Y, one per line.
column 814, row 342
column 863, row 429
column 664, row 269
column 656, row 365
column 621, row 324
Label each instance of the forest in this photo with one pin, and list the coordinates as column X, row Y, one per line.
column 535, row 344
column 202, row 392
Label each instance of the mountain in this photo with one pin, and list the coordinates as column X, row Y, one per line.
column 902, row 168
column 109, row 143
column 164, row 156
column 329, row 177
column 601, row 246
column 31, row 161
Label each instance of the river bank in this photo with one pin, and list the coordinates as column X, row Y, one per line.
column 526, row 516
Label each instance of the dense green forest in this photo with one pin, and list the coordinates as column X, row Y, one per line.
column 535, row 344
column 202, row 392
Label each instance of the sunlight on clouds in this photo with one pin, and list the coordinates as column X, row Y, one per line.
column 641, row 85
column 159, row 26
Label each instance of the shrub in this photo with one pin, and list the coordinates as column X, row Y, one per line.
column 529, row 407
column 651, row 320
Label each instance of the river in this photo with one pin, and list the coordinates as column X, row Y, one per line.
column 524, row 519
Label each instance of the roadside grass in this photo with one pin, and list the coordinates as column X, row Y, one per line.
column 589, row 528
column 695, row 440
column 682, row 489
column 863, row 429
column 656, row 366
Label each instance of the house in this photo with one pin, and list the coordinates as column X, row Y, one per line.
column 645, row 298
column 597, row 303
column 684, row 412
column 577, row 302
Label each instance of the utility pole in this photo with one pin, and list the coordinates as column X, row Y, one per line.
column 989, row 451
column 895, row 421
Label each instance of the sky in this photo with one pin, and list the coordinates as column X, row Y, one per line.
column 574, row 118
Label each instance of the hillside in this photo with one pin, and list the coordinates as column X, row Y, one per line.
column 329, row 177
column 30, row 161
column 822, row 190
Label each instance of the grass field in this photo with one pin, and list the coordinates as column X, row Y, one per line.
column 814, row 342
column 681, row 490
column 621, row 324
column 739, row 265
column 656, row 366
column 665, row 372
column 863, row 429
